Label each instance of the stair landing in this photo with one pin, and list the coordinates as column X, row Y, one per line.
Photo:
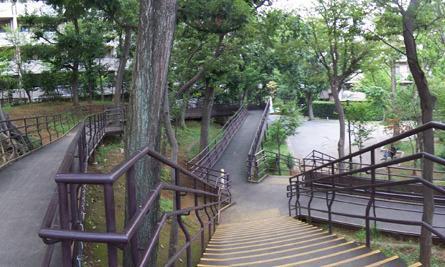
column 285, row 241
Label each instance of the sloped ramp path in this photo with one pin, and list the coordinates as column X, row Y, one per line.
column 284, row 241
column 26, row 188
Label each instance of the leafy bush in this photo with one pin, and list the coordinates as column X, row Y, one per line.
column 326, row 109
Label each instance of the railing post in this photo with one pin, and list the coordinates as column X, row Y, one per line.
column 47, row 129
column 201, row 223
column 371, row 202
column 38, row 130
column 331, row 201
column 131, row 210
column 67, row 259
column 111, row 222
column 181, row 223
column 309, row 217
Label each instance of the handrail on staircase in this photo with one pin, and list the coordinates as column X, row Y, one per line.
column 88, row 134
column 308, row 183
column 63, row 221
column 256, row 143
column 214, row 197
column 208, row 156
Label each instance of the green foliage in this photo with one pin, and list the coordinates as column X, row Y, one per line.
column 359, row 111
column 363, row 111
column 288, row 121
column 214, row 16
column 325, row 109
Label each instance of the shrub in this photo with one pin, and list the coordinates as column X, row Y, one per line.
column 326, row 109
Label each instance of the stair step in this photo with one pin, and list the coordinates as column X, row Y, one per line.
column 284, row 241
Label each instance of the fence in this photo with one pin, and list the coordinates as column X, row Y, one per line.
column 332, row 170
column 208, row 156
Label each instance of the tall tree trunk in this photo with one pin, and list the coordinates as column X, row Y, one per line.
column 396, row 122
column 75, row 84
column 121, row 70
column 310, row 108
column 426, row 104
column 75, row 70
column 28, row 95
column 335, row 88
column 207, row 107
column 156, row 27
column 174, row 157
column 90, row 88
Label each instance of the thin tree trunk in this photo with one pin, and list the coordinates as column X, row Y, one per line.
column 121, row 70
column 90, row 89
column 75, row 84
column 183, row 111
column 174, row 157
column 207, row 107
column 101, row 83
column 310, row 108
column 28, row 94
column 75, row 70
column 156, row 27
column 201, row 72
column 427, row 104
column 396, row 122
column 335, row 87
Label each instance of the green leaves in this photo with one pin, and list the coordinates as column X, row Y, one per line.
column 215, row 16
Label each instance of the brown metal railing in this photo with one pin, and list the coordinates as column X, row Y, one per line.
column 331, row 170
column 63, row 221
column 19, row 137
column 252, row 162
column 211, row 153
column 268, row 162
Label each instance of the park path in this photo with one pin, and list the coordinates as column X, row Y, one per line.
column 322, row 135
column 266, row 199
column 26, row 187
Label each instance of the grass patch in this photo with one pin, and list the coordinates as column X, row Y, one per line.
column 188, row 138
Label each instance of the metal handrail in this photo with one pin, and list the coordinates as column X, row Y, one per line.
column 256, row 143
column 214, row 189
column 21, row 136
column 424, row 127
column 212, row 152
column 307, row 180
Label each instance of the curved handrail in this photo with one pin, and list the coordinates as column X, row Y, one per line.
column 306, row 182
column 424, row 127
column 71, row 178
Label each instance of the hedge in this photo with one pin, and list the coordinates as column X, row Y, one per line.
column 326, row 109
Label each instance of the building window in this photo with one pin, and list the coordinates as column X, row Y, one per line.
column 5, row 24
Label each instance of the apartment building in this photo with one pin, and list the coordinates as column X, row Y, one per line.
column 14, row 35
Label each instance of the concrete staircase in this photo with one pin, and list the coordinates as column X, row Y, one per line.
column 284, row 241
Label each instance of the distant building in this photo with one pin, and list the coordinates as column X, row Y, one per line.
column 402, row 75
column 13, row 34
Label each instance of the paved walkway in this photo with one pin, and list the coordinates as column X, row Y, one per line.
column 387, row 209
column 266, row 199
column 26, row 187
column 322, row 135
